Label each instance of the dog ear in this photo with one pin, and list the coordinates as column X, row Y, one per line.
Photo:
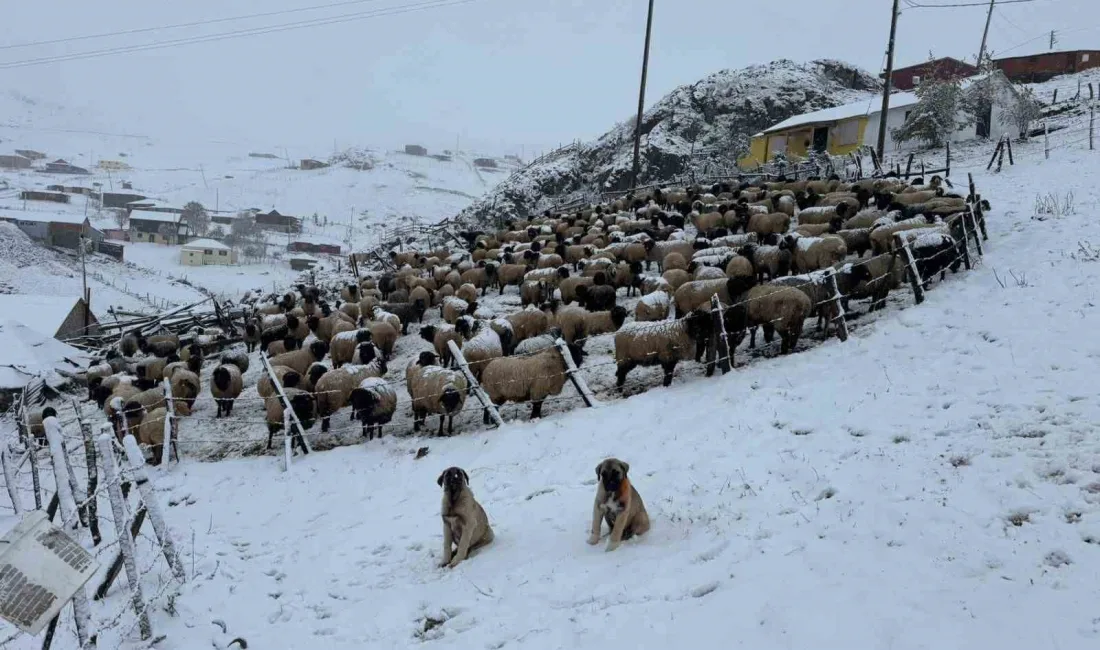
column 626, row 467
column 598, row 470
column 440, row 479
column 465, row 476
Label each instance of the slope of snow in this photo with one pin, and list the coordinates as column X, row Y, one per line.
column 930, row 483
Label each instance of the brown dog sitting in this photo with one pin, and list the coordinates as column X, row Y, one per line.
column 464, row 521
column 619, row 503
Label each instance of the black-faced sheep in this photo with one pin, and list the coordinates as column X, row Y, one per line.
column 333, row 389
column 528, row 379
column 344, row 345
column 814, row 253
column 300, row 360
column 527, row 323
column 766, row 224
column 288, row 344
column 434, row 390
column 484, row 346
column 35, row 417
column 664, row 343
column 301, row 402
column 288, row 377
column 772, row 307
column 373, row 403
column 185, row 387
column 160, row 345
column 238, row 358
column 696, row 294
column 226, row 386
column 600, row 296
column 454, row 308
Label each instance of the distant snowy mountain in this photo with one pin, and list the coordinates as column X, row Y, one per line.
column 702, row 123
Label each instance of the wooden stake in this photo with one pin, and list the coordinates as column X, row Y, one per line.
column 170, row 413
column 573, row 373
column 911, row 266
column 116, row 564
column 838, row 304
column 475, row 387
column 299, row 430
column 149, row 498
column 67, row 504
column 1092, row 125
column 1008, row 144
column 1046, row 136
column 965, row 251
column 125, row 542
column 979, row 213
column 1001, row 157
column 947, row 167
column 9, row 480
column 973, row 228
column 91, row 509
column 719, row 339
column 288, row 452
column 908, row 166
column 32, row 449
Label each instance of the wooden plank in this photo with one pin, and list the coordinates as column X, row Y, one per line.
column 573, row 373
column 299, row 433
column 911, row 267
column 838, row 304
column 475, row 387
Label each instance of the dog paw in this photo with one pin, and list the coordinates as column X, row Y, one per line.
column 593, row 540
column 453, row 563
column 612, row 546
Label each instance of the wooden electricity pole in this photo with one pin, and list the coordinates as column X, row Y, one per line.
column 985, row 32
column 889, row 79
column 641, row 99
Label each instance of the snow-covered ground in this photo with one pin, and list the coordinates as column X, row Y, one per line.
column 934, row 482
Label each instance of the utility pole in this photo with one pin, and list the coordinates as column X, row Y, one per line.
column 641, row 98
column 1053, row 38
column 985, row 33
column 888, row 82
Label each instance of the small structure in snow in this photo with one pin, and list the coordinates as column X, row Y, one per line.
column 31, row 153
column 29, row 354
column 203, row 252
column 486, row 163
column 15, row 161
column 310, row 164
column 59, row 317
column 415, row 150
column 303, row 262
column 61, row 166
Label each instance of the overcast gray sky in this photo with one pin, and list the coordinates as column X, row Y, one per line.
column 496, row 74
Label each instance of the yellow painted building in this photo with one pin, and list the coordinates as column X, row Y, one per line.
column 837, row 131
column 204, row 252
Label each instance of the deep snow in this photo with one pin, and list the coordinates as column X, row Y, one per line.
column 931, row 483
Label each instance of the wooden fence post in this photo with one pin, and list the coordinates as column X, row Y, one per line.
column 32, row 449
column 149, row 498
column 911, row 266
column 908, row 166
column 125, row 541
column 299, row 431
column 965, row 251
column 947, row 167
column 838, row 304
column 170, row 413
column 996, row 150
column 1046, row 137
column 718, row 349
column 1008, row 144
column 67, row 505
column 1092, row 125
column 1001, row 156
column 91, row 510
column 979, row 214
column 288, row 452
column 573, row 373
column 974, row 228
column 475, row 387
column 9, row 480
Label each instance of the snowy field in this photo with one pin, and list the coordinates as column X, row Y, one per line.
column 934, row 482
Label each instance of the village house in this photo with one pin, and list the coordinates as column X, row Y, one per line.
column 841, row 130
column 43, row 195
column 55, row 316
column 302, row 246
column 205, row 252
column 415, row 150
column 61, row 229
column 303, row 261
column 31, row 153
column 910, row 77
column 156, row 227
column 119, row 199
column 15, row 161
column 310, row 164
column 1036, row 68
column 61, row 166
column 280, row 222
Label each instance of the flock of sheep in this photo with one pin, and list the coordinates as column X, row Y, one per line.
column 642, row 268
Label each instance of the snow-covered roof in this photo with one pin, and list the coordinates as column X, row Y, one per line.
column 844, row 112
column 200, row 244
column 28, row 353
column 163, row 217
column 43, row 314
column 75, row 218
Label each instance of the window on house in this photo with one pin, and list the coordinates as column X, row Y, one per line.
column 208, row 252
column 223, row 253
column 777, row 144
column 1033, row 59
column 1084, row 58
column 846, row 133
column 907, row 114
column 916, row 80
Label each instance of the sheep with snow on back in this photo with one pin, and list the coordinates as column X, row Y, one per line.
column 510, row 275
column 373, row 403
column 882, row 234
column 236, row 357
column 770, row 261
column 300, row 360
column 527, row 323
column 382, row 315
column 288, row 344
column 532, row 293
column 934, row 252
column 384, row 336
column 766, row 224
column 528, row 379
column 454, row 308
column 653, row 306
column 434, row 390
column 185, row 387
column 820, row 293
column 484, row 346
column 696, row 294
column 467, row 292
column 814, row 253
column 35, row 417
column 302, row 403
column 344, row 345
column 333, row 389
column 663, row 343
column 226, row 386
column 776, row 308
column 598, row 297
column 288, row 377
column 439, row 335
column 702, row 272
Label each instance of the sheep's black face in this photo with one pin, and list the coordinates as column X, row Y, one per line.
column 312, row 322
column 362, row 403
column 221, row 378
column 318, row 349
column 453, row 480
column 303, row 405
column 451, row 400
column 291, row 380
column 426, row 359
column 366, row 353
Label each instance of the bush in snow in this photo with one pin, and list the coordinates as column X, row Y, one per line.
column 1022, row 112
column 196, row 216
column 940, row 112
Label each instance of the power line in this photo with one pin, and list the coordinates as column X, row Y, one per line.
column 914, row 5
column 316, row 22
column 198, row 23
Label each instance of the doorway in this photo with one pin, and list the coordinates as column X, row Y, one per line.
column 821, row 139
column 985, row 121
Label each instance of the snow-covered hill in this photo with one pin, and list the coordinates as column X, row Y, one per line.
column 705, row 123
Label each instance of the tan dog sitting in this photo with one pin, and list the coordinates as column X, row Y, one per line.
column 464, row 520
column 619, row 503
